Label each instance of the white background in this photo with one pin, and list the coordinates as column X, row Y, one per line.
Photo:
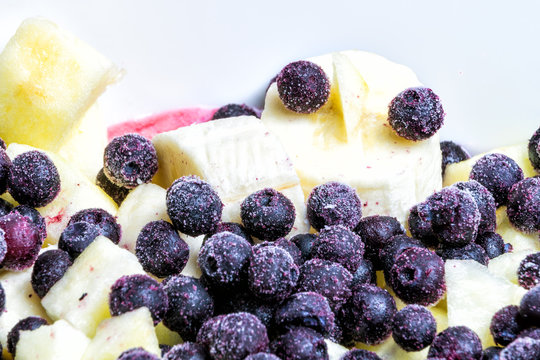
column 481, row 57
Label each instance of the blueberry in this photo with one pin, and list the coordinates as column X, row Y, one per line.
column 3, row 245
column 105, row 223
column 286, row 245
column 393, row 249
column 244, row 301
column 360, row 354
column 49, row 267
column 364, row 274
column 224, row 260
column 524, row 205
column 521, row 349
column 534, row 150
column 300, row 343
column 420, row 224
column 23, row 241
column 452, row 153
column 416, row 113
column 5, row 168
column 307, row 309
column 529, row 308
column 417, row 277
column 333, row 203
column 3, row 144
column 304, row 242
column 303, row 87
column 533, row 332
column 498, row 173
column 187, row 351
column 414, row 328
column 491, row 353
column 492, row 243
column 33, row 179
column 468, row 252
column 130, row 160
column 368, row 314
column 376, row 232
column 35, row 217
column 137, row 354
column 233, row 227
column 131, row 292
column 262, row 356
column 5, row 207
column 272, row 273
column 190, row 305
column 2, row 298
column 76, row 237
column 28, row 323
column 529, row 271
column 208, row 331
column 160, row 250
column 506, row 325
column 339, row 244
column 327, row 278
column 485, row 202
column 457, row 343
column 267, row 214
column 193, row 206
column 233, row 110
column 117, row 193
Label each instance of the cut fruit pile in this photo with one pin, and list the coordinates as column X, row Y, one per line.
column 49, row 84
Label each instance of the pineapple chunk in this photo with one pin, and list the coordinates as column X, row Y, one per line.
column 506, row 265
column 81, row 296
column 48, row 80
column 166, row 336
column 59, row 341
column 121, row 333
column 474, row 295
column 76, row 193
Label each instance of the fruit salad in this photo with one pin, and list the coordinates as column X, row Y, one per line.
column 332, row 224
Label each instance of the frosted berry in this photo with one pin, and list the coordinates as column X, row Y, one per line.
column 137, row 354
column 233, row 227
column 262, row 356
column 304, row 242
column 457, row 343
column 187, row 351
column 76, row 237
column 471, row 251
column 117, row 193
column 300, row 343
column 491, row 353
column 534, row 150
column 244, row 301
column 233, row 110
column 5, row 168
column 360, row 354
column 104, row 222
column 35, row 217
column 492, row 243
column 529, row 271
column 5, row 207
column 28, row 323
column 49, row 267
column 506, row 325
column 452, row 153
column 524, row 205
column 485, row 202
column 394, row 248
column 414, row 328
column 23, row 241
column 339, row 244
column 521, row 349
column 529, row 307
column 364, row 274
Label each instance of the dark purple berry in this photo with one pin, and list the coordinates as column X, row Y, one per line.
column 33, row 179
column 534, row 150
column 137, row 354
column 468, row 252
column 418, row 277
column 485, row 202
column 498, row 173
column 76, row 237
column 23, row 241
column 360, row 354
column 305, row 243
column 244, row 301
column 224, row 260
column 393, row 249
column 49, row 267
column 233, row 110
column 233, row 227
column 506, row 325
column 420, row 224
column 3, row 245
column 35, row 217
column 286, row 245
column 452, row 153
column 524, row 205
column 492, row 243
column 339, row 244
column 29, row 323
column 160, row 250
column 5, row 207
column 208, row 331
column 303, row 87
column 533, row 332
column 334, row 203
column 456, row 343
column 187, row 351
column 491, row 353
column 135, row 291
column 369, row 313
column 529, row 271
column 416, row 113
column 267, row 214
column 300, row 343
column 272, row 273
column 2, row 298
column 117, row 193
column 193, row 206
column 262, row 356
column 3, row 144
column 529, row 308
column 105, row 223
column 5, row 168
column 130, row 160
column 364, row 274
column 521, row 349
column 307, row 309
column 508, row 247
column 327, row 278
column 190, row 305
column 414, row 328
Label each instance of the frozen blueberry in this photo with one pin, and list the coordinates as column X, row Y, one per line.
column 498, row 173
column 304, row 242
column 267, row 214
column 104, row 222
column 506, row 325
column 420, row 224
column 3, row 245
column 130, row 160
column 457, row 343
column 137, row 354
column 471, row 251
column 533, row 332
column 33, row 179
column 262, row 356
column 529, row 271
column 492, row 243
column 416, row 113
column 2, row 298
column 452, row 153
column 414, row 328
column 233, row 110
column 307, row 309
column 135, row 291
column 300, row 343
column 35, row 217
column 327, row 278
column 524, row 205
column 3, row 144
column 376, row 232
column 534, row 150
column 244, row 301
column 190, row 305
column 233, row 227
column 224, row 260
column 521, row 349
column 272, row 273
column 529, row 308
column 393, row 249
column 76, row 237
column 208, row 331
column 334, row 203
column 5, row 168
column 23, row 241
column 49, row 267
column 193, row 206
column 303, row 87
column 236, row 336
column 28, row 323
column 5, row 207
column 187, row 351
column 364, row 274
column 339, row 244
column 485, row 202
column 369, row 313
column 418, row 277
column 360, row 354
column 491, row 353
column 117, row 193
column 291, row 248
column 160, row 250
